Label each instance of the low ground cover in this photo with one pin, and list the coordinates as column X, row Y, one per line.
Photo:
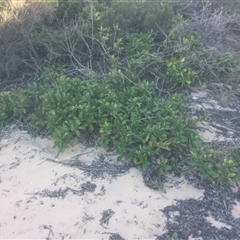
column 118, row 71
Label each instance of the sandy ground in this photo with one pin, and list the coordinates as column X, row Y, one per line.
column 42, row 198
column 27, row 213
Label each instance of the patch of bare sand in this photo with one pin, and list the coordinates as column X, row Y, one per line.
column 217, row 224
column 236, row 210
column 236, row 205
column 219, row 126
column 209, row 133
column 31, row 206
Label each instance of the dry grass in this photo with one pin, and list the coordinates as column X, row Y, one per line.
column 27, row 42
column 214, row 21
column 19, row 52
column 9, row 9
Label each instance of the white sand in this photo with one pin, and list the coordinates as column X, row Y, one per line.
column 25, row 171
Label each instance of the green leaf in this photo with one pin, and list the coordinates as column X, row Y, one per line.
column 119, row 158
column 77, row 133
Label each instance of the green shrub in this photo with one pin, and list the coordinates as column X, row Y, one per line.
column 137, row 16
column 122, row 64
column 137, row 125
column 203, row 162
column 213, row 166
column 14, row 105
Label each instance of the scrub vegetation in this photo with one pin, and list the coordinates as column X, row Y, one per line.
column 119, row 71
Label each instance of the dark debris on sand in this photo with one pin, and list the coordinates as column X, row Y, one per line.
column 100, row 168
column 190, row 217
column 106, row 215
column 114, row 236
